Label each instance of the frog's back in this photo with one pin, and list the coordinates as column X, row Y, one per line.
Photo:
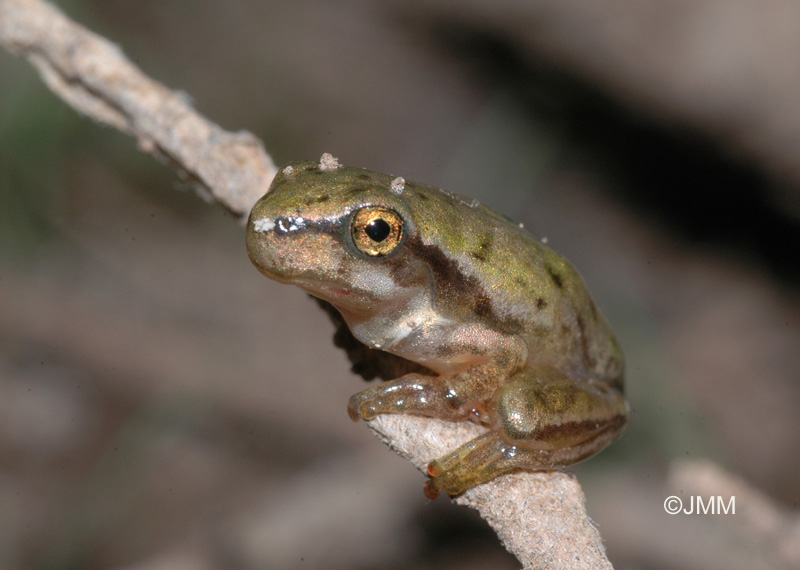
column 487, row 265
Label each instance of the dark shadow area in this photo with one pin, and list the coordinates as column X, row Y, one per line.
column 670, row 174
column 452, row 533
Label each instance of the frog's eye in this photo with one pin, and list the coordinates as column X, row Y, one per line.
column 376, row 231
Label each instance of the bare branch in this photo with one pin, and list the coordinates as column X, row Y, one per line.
column 95, row 77
column 539, row 517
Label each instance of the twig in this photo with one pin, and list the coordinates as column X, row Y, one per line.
column 540, row 517
column 94, row 77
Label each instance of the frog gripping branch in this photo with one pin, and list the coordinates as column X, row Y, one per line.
column 506, row 328
column 539, row 517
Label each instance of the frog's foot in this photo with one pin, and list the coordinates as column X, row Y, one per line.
column 382, row 399
column 410, row 394
column 488, row 456
column 477, row 461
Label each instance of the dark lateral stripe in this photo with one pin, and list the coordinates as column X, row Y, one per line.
column 453, row 282
column 571, row 430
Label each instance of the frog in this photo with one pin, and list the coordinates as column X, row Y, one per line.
column 496, row 327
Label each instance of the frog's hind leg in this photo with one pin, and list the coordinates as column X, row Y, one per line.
column 541, row 422
column 482, row 459
column 475, row 462
column 486, row 457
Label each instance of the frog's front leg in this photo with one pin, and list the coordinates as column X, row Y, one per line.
column 470, row 375
column 540, row 421
column 456, row 398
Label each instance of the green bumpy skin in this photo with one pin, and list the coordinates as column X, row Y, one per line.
column 503, row 329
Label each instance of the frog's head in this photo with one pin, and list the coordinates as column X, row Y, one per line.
column 338, row 233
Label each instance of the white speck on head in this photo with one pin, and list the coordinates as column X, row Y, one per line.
column 521, row 226
column 263, row 225
column 328, row 162
column 544, row 239
column 287, row 170
column 398, row 185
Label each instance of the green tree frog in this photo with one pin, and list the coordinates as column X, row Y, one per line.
column 495, row 327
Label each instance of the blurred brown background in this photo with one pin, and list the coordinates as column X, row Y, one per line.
column 163, row 406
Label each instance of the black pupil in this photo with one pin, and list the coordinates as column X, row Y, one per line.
column 378, row 230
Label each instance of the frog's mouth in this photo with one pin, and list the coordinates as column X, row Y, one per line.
column 340, row 291
column 350, row 303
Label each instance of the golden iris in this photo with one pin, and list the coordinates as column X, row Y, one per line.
column 376, row 231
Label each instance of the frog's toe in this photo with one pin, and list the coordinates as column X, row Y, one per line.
column 352, row 410
column 450, row 482
column 475, row 462
column 440, row 480
column 359, row 407
column 431, row 490
column 366, row 404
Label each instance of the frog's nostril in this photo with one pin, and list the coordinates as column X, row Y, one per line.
column 286, row 224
